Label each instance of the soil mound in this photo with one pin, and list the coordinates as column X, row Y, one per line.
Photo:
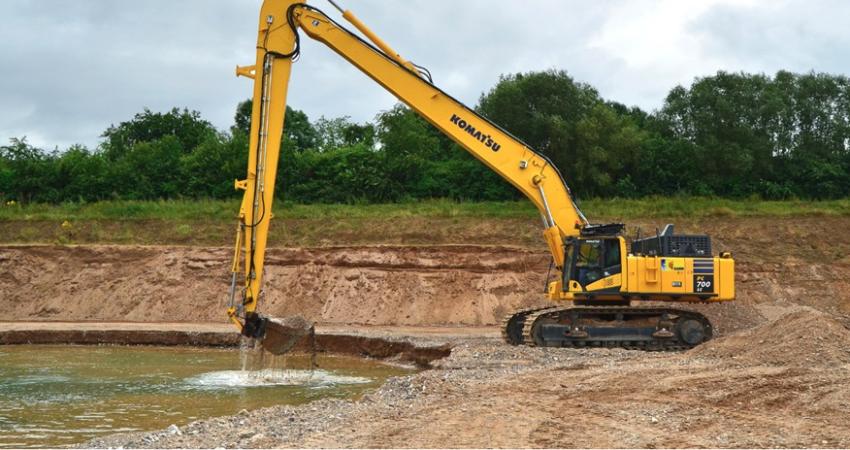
column 802, row 338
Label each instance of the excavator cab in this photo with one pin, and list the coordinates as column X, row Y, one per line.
column 593, row 265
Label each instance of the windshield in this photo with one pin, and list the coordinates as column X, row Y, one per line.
column 589, row 254
column 591, row 260
column 588, row 262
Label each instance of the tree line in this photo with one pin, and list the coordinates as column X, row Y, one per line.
column 728, row 135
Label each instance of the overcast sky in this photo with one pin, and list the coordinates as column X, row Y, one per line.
column 70, row 68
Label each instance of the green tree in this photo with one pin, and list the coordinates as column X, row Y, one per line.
column 607, row 148
column 185, row 126
column 7, row 180
column 29, row 172
column 149, row 170
column 407, row 144
column 298, row 131
column 750, row 133
column 81, row 175
column 725, row 117
column 342, row 132
column 340, row 175
column 404, row 134
column 242, row 118
column 591, row 144
column 213, row 166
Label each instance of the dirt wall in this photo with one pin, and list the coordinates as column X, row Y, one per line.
column 781, row 263
column 373, row 285
column 364, row 285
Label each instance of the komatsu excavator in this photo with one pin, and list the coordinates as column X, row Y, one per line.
column 601, row 279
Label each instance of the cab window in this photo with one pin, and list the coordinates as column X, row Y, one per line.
column 568, row 262
column 612, row 256
column 594, row 259
column 589, row 261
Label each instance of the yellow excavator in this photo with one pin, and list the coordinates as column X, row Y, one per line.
column 601, row 279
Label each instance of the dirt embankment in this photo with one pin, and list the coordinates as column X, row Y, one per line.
column 781, row 263
column 355, row 285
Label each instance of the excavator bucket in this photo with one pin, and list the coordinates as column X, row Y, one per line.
column 282, row 334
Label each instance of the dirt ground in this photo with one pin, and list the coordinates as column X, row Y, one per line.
column 777, row 374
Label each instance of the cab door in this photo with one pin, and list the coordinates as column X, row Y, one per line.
column 595, row 265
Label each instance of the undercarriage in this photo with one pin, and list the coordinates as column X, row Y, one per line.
column 641, row 328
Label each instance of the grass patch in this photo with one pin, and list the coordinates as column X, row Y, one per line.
column 212, row 222
column 689, row 207
column 220, row 210
column 224, row 210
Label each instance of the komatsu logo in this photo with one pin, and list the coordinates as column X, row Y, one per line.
column 477, row 134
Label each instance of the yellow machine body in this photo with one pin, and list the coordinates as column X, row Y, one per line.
column 657, row 278
column 652, row 278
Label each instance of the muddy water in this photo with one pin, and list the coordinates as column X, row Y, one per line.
column 60, row 395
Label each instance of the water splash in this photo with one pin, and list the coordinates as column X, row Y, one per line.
column 254, row 357
column 261, row 368
column 271, row 377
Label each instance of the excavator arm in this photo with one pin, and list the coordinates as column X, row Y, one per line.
column 278, row 45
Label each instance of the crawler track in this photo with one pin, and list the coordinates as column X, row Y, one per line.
column 513, row 324
column 651, row 329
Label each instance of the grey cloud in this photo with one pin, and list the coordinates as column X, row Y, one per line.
column 70, row 68
column 793, row 35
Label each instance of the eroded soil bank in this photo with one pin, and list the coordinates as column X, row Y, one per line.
column 353, row 285
column 406, row 346
column 779, row 261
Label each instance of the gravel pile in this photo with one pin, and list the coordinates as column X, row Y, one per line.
column 801, row 338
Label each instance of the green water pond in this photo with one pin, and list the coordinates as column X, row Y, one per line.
column 62, row 395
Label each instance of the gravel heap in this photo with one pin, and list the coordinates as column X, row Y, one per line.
column 802, row 338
